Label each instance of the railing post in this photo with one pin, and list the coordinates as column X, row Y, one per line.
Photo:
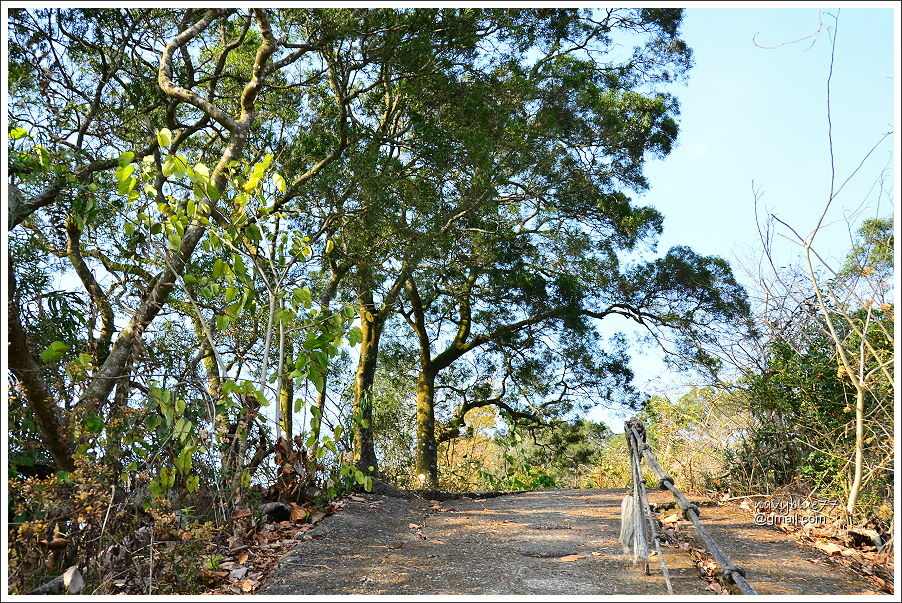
column 638, row 449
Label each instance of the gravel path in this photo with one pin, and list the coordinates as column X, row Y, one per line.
column 561, row 542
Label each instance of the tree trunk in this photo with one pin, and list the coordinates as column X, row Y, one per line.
column 316, row 424
column 54, row 433
column 427, row 448
column 214, row 380
column 859, row 451
column 364, row 446
column 286, row 394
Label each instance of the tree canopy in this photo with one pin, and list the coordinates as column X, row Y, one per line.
column 241, row 239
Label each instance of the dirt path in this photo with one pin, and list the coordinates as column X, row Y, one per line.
column 547, row 542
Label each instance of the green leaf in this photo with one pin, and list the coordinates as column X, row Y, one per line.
column 302, row 296
column 43, row 156
column 55, row 351
column 329, row 245
column 253, row 233
column 238, row 267
column 279, row 181
column 126, row 158
column 183, row 460
column 182, row 429
column 245, row 479
column 93, row 424
column 192, row 483
column 124, row 171
column 17, row 133
column 355, row 336
column 202, row 170
column 126, row 186
column 251, row 184
column 317, row 380
column 168, row 166
column 164, row 137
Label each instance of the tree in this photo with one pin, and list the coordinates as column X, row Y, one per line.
column 145, row 287
column 850, row 300
column 542, row 247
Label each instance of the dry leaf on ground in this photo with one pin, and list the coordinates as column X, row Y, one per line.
column 248, row 585
column 829, row 547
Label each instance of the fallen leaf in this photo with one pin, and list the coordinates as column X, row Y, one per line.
column 357, row 498
column 298, row 513
column 672, row 518
column 238, row 573
column 242, row 558
column 72, row 580
column 568, row 558
column 238, row 513
column 317, row 516
column 413, row 526
column 248, row 585
column 829, row 547
column 437, row 541
column 597, row 554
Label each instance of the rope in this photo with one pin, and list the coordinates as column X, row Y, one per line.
column 641, row 546
column 654, row 535
column 732, row 573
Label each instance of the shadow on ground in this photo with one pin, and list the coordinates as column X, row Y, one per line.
column 551, row 542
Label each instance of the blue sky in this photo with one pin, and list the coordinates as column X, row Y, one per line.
column 755, row 114
column 750, row 113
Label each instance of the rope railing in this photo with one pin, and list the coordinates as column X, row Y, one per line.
column 639, row 449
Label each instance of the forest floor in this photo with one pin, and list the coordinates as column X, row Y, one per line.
column 551, row 542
